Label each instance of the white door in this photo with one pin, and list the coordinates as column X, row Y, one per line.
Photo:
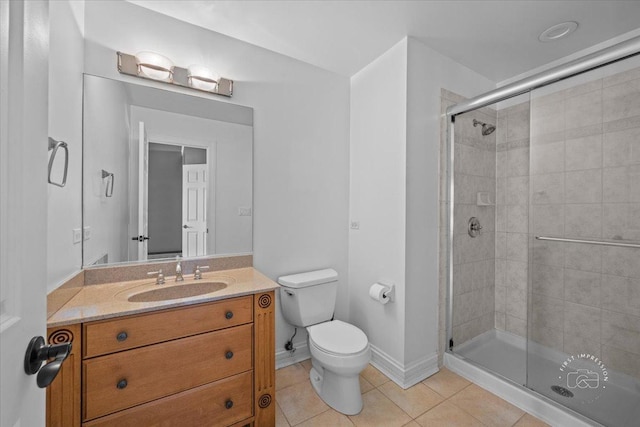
column 143, row 193
column 194, row 210
column 23, row 203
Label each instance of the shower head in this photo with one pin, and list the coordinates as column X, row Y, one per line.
column 487, row 129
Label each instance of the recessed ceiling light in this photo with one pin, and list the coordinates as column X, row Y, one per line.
column 558, row 31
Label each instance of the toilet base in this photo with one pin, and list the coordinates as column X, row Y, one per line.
column 340, row 392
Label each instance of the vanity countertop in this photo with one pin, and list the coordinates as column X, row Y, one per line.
column 104, row 301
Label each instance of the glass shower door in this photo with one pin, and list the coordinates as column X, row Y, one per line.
column 489, row 238
column 583, row 319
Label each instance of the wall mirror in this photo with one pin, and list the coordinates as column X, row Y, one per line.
column 165, row 174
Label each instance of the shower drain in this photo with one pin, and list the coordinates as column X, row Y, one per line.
column 561, row 391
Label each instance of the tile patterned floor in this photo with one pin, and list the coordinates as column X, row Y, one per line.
column 445, row 399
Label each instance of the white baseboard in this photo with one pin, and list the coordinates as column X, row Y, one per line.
column 404, row 376
column 285, row 358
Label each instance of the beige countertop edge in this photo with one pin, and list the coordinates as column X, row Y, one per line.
column 78, row 310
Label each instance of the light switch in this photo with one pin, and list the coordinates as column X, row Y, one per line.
column 244, row 211
column 77, row 235
column 87, row 233
column 355, row 225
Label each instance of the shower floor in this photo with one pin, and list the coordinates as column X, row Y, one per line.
column 506, row 354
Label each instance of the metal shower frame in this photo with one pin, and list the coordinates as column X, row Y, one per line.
column 609, row 55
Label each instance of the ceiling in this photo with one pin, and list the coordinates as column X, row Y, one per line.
column 498, row 39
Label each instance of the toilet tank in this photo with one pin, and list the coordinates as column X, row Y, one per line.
column 308, row 298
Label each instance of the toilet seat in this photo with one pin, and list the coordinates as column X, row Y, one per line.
column 338, row 338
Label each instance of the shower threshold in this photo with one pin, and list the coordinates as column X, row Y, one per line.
column 497, row 361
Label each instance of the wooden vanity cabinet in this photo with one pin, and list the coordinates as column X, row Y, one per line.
column 210, row 364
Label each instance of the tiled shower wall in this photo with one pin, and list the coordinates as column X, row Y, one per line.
column 474, row 258
column 512, row 218
column 585, row 172
column 584, row 147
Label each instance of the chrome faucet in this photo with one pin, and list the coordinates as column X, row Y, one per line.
column 179, row 277
column 197, row 274
column 160, row 278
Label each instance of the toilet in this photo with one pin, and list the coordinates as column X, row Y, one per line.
column 339, row 350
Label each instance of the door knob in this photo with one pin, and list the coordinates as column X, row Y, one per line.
column 186, row 226
column 39, row 352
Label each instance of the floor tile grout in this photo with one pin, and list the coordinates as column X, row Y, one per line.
column 444, row 399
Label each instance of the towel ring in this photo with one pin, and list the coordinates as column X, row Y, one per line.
column 54, row 145
column 108, row 191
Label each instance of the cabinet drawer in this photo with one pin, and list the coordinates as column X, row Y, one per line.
column 109, row 336
column 122, row 380
column 203, row 406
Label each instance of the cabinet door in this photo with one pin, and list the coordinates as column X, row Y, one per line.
column 122, row 380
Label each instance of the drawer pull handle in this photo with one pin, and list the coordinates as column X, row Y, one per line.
column 228, row 404
column 229, row 354
column 229, row 314
column 122, row 336
column 122, row 384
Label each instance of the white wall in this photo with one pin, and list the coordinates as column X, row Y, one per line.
column 64, row 210
column 428, row 72
column 106, row 144
column 230, row 164
column 301, row 134
column 377, row 197
column 395, row 130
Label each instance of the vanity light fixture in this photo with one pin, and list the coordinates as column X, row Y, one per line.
column 202, row 78
column 154, row 66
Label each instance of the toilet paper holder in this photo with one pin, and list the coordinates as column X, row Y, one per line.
column 391, row 293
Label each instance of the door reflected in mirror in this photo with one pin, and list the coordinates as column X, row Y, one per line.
column 182, row 174
column 176, row 173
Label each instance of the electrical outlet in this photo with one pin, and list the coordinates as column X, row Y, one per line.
column 244, row 211
column 77, row 235
column 355, row 225
column 87, row 233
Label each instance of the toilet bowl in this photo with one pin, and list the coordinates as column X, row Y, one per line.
column 339, row 352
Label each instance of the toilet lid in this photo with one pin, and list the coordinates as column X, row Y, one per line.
column 338, row 337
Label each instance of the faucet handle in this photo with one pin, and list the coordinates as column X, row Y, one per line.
column 160, row 278
column 197, row 274
column 179, row 276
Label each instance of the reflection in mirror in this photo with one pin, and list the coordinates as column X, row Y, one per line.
column 181, row 174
